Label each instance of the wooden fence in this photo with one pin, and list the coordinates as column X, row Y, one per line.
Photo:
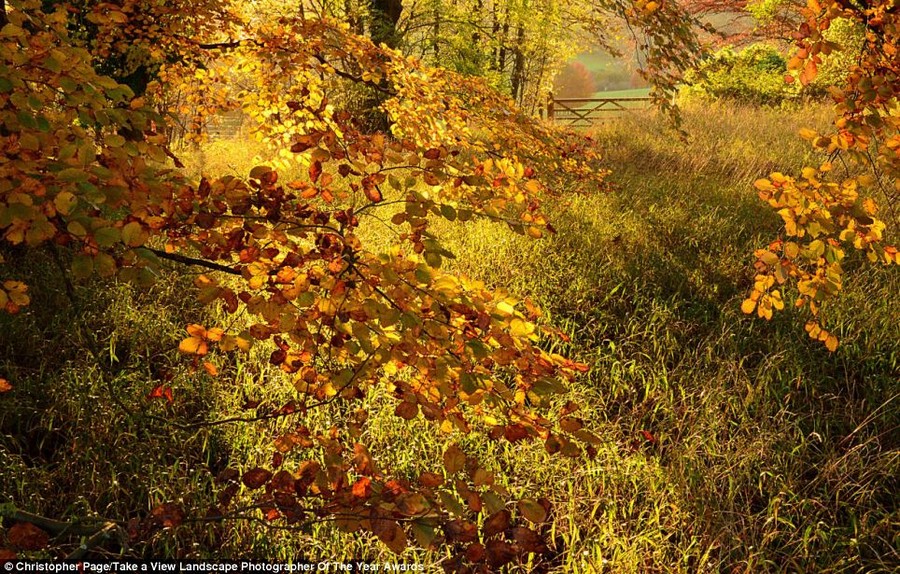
column 586, row 111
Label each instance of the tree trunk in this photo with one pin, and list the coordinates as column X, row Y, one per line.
column 501, row 57
column 385, row 16
column 518, row 72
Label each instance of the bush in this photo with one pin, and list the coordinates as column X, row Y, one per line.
column 754, row 75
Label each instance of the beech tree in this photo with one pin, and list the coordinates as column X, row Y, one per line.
column 339, row 318
column 575, row 81
column 829, row 213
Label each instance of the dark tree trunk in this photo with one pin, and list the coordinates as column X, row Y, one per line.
column 385, row 16
column 518, row 72
column 495, row 34
column 501, row 58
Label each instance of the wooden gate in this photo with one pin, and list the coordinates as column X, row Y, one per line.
column 586, row 111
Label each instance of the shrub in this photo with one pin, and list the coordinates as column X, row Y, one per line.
column 753, row 75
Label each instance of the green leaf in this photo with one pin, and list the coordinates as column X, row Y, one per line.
column 423, row 533
column 448, row 212
column 107, row 236
column 259, row 171
column 452, row 504
column 82, row 266
column 134, row 234
column 433, row 259
column 532, row 510
column 114, row 140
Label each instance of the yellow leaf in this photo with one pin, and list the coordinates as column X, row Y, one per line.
column 64, row 202
column 504, row 308
column 831, row 343
column 133, row 234
column 520, row 328
column 768, row 257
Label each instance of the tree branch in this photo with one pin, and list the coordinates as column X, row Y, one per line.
column 79, row 527
column 192, row 261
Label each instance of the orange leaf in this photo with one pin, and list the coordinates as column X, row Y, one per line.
column 162, row 392
column 362, row 488
column 195, row 330
column 193, row 346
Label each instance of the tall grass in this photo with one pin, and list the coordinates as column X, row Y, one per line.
column 768, row 453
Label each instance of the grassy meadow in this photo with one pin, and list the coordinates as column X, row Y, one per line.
column 732, row 444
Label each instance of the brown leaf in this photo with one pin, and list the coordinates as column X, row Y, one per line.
column 411, row 503
column 475, row 552
column 283, row 481
column 515, row 432
column 454, row 459
column 528, row 539
column 430, row 479
column 407, row 410
column 227, row 475
column 370, row 188
column 284, row 500
column 315, row 170
column 5, row 387
column 569, row 408
column 167, row 515
column 496, row 523
column 162, row 392
column 7, row 554
column 571, row 424
column 27, row 536
column 362, row 460
column 225, row 496
column 461, row 531
column 256, row 478
column 500, row 553
column 306, row 476
column 305, row 142
column 391, row 534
